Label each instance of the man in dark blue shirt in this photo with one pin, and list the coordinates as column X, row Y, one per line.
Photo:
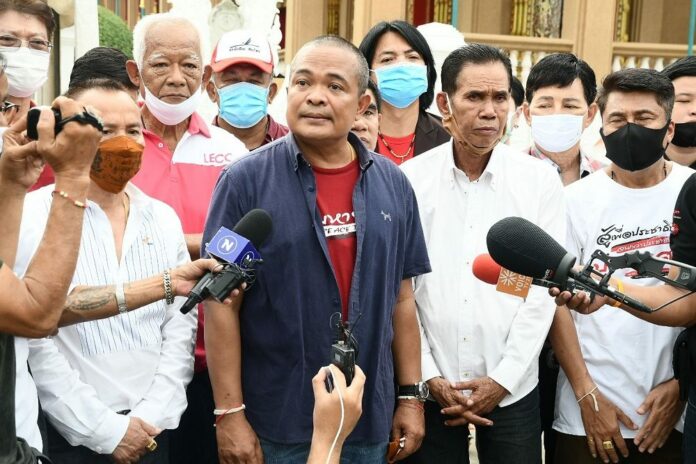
column 263, row 352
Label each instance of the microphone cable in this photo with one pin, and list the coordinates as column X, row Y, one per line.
column 674, row 300
column 343, row 415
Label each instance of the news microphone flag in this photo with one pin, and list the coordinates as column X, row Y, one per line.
column 230, row 247
column 505, row 281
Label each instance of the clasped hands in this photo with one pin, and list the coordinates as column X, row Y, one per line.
column 485, row 395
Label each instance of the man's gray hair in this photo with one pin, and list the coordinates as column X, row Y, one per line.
column 362, row 71
column 142, row 26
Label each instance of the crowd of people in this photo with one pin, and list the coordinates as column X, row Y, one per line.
column 379, row 209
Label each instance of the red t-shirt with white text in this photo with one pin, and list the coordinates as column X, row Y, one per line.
column 335, row 201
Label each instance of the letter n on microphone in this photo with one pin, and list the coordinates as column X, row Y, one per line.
column 513, row 284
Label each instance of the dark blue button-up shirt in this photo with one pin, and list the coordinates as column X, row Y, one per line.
column 285, row 317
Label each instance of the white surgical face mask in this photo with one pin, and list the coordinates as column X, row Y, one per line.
column 556, row 133
column 172, row 114
column 27, row 70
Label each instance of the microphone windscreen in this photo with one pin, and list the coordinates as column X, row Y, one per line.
column 486, row 269
column 524, row 248
column 255, row 226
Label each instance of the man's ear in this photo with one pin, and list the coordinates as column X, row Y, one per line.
column 363, row 103
column 442, row 105
column 591, row 112
column 527, row 114
column 272, row 91
column 212, row 91
column 207, row 73
column 670, row 133
column 133, row 72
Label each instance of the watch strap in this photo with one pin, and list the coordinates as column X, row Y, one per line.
column 408, row 390
column 121, row 298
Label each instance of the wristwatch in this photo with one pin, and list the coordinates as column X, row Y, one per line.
column 418, row 391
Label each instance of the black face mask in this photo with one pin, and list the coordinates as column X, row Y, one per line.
column 685, row 135
column 635, row 147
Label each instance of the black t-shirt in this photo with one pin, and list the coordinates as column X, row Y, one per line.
column 683, row 237
column 683, row 245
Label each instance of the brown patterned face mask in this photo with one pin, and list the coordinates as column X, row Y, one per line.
column 117, row 161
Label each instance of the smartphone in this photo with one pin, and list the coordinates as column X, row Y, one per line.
column 33, row 120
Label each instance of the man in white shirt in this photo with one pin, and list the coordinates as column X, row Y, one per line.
column 487, row 341
column 616, row 391
column 110, row 386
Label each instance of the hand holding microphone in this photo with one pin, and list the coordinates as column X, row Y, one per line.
column 524, row 248
column 236, row 254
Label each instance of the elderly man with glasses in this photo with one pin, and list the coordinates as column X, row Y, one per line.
column 26, row 28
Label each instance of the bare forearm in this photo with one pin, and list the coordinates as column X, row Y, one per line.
column 92, row 303
column 36, row 302
column 223, row 352
column 320, row 450
column 193, row 244
column 11, row 213
column 566, row 346
column 681, row 313
column 406, row 343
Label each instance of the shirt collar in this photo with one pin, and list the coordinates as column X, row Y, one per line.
column 489, row 173
column 587, row 164
column 364, row 155
column 198, row 126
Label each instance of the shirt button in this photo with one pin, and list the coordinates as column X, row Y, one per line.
column 463, row 339
column 310, row 189
column 160, row 145
column 98, row 449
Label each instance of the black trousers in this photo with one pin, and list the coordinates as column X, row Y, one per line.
column 514, row 437
column 548, row 378
column 573, row 449
column 62, row 452
column 194, row 440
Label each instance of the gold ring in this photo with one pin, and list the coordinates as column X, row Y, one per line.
column 152, row 446
column 607, row 445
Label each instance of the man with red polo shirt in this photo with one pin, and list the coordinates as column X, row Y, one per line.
column 242, row 86
column 182, row 160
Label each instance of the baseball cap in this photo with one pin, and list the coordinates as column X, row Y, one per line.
column 242, row 47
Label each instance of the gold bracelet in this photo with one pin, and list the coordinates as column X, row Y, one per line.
column 62, row 194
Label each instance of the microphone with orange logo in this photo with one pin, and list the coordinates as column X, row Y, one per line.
column 530, row 256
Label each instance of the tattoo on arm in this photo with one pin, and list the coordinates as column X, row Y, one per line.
column 90, row 298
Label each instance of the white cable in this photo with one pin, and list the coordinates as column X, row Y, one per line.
column 340, row 424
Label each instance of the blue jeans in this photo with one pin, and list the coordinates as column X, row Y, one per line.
column 689, row 443
column 352, row 453
column 514, row 437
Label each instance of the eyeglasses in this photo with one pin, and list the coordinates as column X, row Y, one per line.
column 10, row 41
column 7, row 106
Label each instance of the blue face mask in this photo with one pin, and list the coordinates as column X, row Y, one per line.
column 402, row 84
column 243, row 104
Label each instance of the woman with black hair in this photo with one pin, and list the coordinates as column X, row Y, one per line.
column 404, row 71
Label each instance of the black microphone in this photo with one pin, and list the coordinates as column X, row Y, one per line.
column 525, row 248
column 236, row 250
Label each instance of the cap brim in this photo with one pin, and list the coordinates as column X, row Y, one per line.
column 224, row 64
